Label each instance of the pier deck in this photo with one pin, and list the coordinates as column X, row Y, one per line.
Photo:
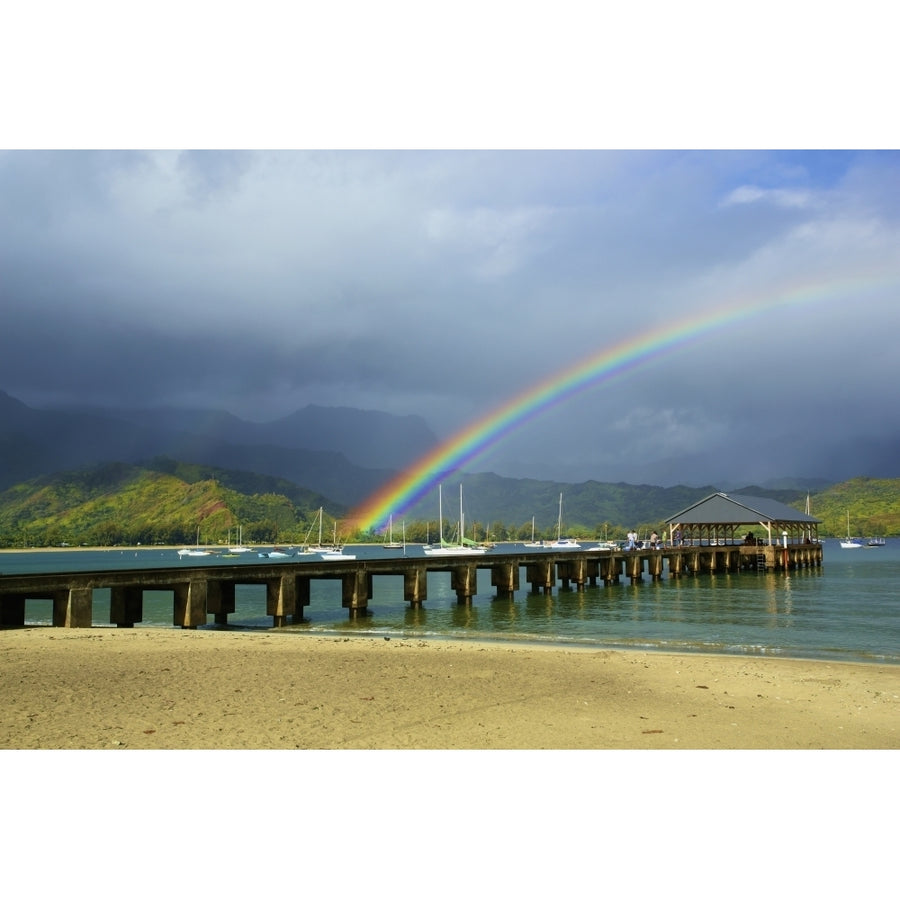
column 201, row 591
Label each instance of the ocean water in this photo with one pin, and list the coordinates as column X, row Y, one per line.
column 849, row 609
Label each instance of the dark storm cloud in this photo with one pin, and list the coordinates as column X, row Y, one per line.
column 442, row 284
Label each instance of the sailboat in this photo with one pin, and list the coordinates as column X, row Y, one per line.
column 532, row 542
column 196, row 551
column 605, row 544
column 464, row 547
column 240, row 548
column 390, row 543
column 850, row 543
column 304, row 549
column 320, row 547
column 562, row 543
column 335, row 551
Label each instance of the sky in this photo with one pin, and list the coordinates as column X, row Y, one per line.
column 410, row 273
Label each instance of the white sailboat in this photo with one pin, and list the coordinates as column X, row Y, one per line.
column 605, row 544
column 390, row 543
column 304, row 549
column 240, row 548
column 195, row 551
column 532, row 542
column 320, row 547
column 850, row 543
column 445, row 548
column 335, row 551
column 562, row 543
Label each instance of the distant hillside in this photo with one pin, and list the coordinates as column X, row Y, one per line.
column 165, row 501
column 116, row 503
column 873, row 505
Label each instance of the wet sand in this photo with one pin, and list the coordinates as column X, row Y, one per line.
column 156, row 688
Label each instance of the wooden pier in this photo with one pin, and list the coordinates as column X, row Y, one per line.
column 201, row 591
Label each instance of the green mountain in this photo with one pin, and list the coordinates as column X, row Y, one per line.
column 872, row 503
column 169, row 502
column 165, row 502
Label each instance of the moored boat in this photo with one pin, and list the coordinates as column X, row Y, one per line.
column 562, row 543
column 850, row 543
column 194, row 551
column 390, row 543
column 532, row 542
column 240, row 548
column 447, row 548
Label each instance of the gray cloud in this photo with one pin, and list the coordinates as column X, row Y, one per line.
column 444, row 283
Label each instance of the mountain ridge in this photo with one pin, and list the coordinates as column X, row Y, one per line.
column 340, row 452
column 167, row 501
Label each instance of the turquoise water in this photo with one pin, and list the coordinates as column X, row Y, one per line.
column 847, row 610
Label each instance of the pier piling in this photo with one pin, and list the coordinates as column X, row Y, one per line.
column 201, row 591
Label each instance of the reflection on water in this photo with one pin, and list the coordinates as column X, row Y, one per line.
column 849, row 609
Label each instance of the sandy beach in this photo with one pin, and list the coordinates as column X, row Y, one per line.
column 144, row 688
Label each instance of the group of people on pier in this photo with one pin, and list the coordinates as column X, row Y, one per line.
column 632, row 542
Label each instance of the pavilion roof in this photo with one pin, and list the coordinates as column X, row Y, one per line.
column 739, row 509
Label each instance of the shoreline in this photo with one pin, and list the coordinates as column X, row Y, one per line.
column 159, row 688
column 486, row 641
column 213, row 548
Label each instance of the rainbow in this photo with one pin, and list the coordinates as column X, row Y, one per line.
column 471, row 442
